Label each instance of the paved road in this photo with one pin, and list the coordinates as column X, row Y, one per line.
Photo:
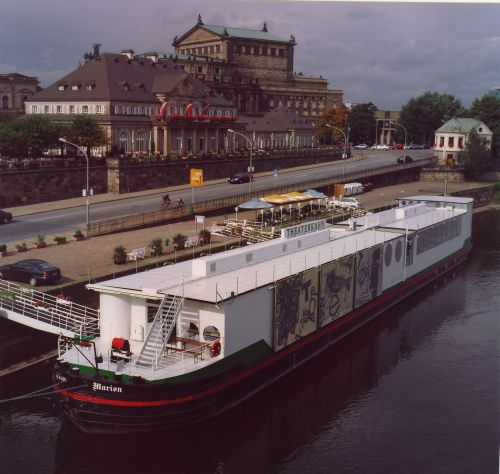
column 53, row 220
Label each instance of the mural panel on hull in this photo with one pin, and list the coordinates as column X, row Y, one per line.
column 296, row 308
column 368, row 275
column 336, row 289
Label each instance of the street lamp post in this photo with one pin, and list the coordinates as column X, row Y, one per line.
column 87, row 190
column 406, row 133
column 250, row 168
column 344, row 156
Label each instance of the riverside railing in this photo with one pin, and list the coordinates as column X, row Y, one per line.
column 160, row 216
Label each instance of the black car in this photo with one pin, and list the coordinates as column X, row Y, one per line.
column 5, row 217
column 32, row 271
column 238, row 178
column 415, row 146
column 405, row 159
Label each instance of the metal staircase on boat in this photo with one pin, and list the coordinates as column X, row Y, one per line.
column 160, row 332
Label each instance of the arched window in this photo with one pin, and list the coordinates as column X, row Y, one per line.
column 123, row 142
column 5, row 102
column 139, row 141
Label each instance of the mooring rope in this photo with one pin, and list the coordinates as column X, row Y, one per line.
column 43, row 392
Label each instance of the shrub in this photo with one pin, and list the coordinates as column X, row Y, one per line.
column 205, row 236
column 157, row 246
column 40, row 241
column 78, row 233
column 179, row 241
column 119, row 254
column 3, row 247
column 59, row 238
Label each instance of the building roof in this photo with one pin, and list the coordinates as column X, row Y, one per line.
column 460, row 125
column 230, row 32
column 246, row 33
column 278, row 120
column 15, row 76
column 115, row 77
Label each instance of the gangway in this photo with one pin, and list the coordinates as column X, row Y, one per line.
column 47, row 313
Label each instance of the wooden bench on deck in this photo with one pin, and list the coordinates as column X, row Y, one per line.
column 196, row 353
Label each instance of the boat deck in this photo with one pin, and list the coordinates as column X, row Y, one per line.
column 179, row 359
column 266, row 262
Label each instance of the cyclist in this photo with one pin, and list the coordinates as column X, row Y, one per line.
column 180, row 203
column 165, row 202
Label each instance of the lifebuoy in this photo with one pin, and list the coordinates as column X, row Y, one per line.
column 215, row 349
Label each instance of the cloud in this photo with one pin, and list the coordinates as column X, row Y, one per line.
column 383, row 53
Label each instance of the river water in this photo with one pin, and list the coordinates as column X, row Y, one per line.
column 414, row 392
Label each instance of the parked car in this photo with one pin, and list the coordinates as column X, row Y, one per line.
column 5, row 217
column 242, row 177
column 345, row 203
column 361, row 146
column 33, row 271
column 398, row 146
column 381, row 147
column 405, row 159
column 415, row 146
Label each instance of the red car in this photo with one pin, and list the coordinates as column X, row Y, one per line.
column 398, row 146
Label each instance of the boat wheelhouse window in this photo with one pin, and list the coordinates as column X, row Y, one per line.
column 193, row 332
column 152, row 308
column 211, row 333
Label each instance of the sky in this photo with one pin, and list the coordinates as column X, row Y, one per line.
column 384, row 53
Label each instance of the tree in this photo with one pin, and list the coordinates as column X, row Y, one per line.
column 336, row 117
column 86, row 132
column 423, row 115
column 362, row 123
column 487, row 109
column 477, row 154
column 28, row 136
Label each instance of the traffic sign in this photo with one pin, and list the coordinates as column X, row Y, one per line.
column 196, row 177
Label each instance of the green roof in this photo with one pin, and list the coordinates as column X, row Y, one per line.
column 244, row 33
column 458, row 125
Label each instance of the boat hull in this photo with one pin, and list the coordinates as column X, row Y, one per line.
column 116, row 406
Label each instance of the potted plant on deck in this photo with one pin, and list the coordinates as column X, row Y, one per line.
column 21, row 247
column 40, row 242
column 156, row 246
column 79, row 235
column 204, row 236
column 179, row 241
column 60, row 239
column 119, row 255
column 3, row 250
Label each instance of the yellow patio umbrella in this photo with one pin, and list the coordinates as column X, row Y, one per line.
column 277, row 199
column 296, row 196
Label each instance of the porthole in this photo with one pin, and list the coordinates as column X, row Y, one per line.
column 388, row 255
column 399, row 251
column 211, row 333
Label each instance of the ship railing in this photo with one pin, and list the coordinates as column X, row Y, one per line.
column 57, row 311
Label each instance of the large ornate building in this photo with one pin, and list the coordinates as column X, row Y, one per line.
column 186, row 101
column 254, row 69
column 15, row 90
column 140, row 102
